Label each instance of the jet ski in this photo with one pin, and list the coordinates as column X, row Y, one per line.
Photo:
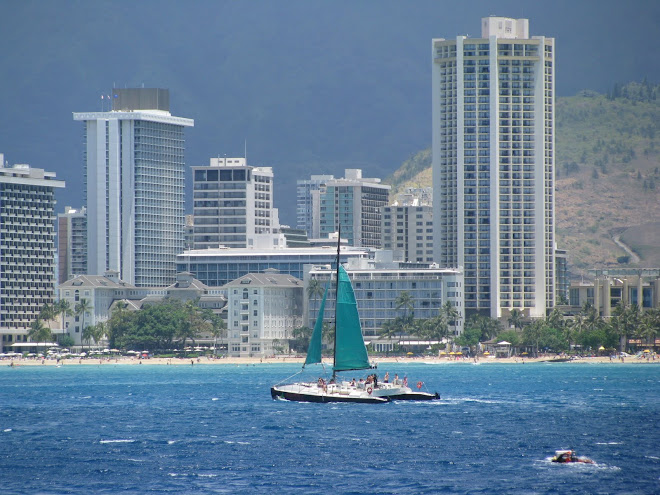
column 566, row 456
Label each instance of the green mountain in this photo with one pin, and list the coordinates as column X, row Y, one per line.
column 608, row 176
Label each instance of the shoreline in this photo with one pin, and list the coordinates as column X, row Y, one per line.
column 205, row 361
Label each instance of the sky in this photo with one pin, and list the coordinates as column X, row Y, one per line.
column 307, row 86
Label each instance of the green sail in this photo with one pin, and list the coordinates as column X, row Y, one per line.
column 314, row 349
column 350, row 351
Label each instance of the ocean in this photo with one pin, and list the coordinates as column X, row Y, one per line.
column 215, row 429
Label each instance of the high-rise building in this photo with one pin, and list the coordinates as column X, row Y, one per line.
column 135, row 187
column 71, row 243
column 307, row 203
column 408, row 231
column 233, row 205
column 27, row 247
column 354, row 203
column 493, row 165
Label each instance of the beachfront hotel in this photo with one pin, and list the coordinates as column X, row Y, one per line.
column 27, row 248
column 493, row 165
column 263, row 309
column 377, row 282
column 135, row 186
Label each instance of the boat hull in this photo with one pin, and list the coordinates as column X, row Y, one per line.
column 277, row 393
column 414, row 396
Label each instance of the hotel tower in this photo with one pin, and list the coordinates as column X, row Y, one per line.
column 134, row 187
column 493, row 166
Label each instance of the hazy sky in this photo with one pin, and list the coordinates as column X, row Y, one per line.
column 312, row 86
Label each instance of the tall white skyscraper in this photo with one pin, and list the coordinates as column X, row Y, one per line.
column 493, row 165
column 135, row 187
column 233, row 205
column 27, row 247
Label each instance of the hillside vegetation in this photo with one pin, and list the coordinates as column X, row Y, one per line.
column 608, row 176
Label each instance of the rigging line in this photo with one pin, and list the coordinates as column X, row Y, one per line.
column 289, row 378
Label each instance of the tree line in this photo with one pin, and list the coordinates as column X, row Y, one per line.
column 156, row 327
column 586, row 331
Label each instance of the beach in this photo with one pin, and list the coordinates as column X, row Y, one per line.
column 378, row 360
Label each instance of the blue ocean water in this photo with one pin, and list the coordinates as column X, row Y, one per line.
column 215, row 429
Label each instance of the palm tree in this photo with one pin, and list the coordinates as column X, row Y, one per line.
column 192, row 324
column 39, row 332
column 82, row 308
column 626, row 318
column 88, row 334
column 47, row 313
column 405, row 301
column 651, row 325
column 218, row 325
column 100, row 331
column 315, row 289
column 63, row 308
column 451, row 314
column 574, row 328
column 516, row 319
column 532, row 334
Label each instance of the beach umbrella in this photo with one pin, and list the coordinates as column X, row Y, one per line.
column 410, row 354
column 647, row 350
column 486, row 353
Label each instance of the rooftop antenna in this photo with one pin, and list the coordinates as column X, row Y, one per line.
column 245, row 156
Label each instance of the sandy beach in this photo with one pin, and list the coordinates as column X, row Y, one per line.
column 206, row 361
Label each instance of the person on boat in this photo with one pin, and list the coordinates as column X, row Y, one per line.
column 565, row 456
column 387, row 377
column 375, row 380
column 396, row 379
column 353, row 382
column 405, row 380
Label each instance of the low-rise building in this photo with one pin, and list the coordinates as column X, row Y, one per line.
column 219, row 266
column 263, row 310
column 102, row 292
column 613, row 286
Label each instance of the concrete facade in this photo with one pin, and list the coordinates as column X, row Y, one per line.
column 263, row 310
column 493, row 165
column 135, row 187
column 233, row 205
column 71, row 243
column 27, row 247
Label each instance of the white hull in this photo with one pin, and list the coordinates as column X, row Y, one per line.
column 345, row 392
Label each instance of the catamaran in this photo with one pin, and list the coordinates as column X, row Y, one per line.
column 350, row 354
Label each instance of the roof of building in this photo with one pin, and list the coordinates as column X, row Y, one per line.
column 276, row 252
column 185, row 280
column 268, row 279
column 95, row 281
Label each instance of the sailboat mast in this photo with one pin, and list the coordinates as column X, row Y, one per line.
column 334, row 354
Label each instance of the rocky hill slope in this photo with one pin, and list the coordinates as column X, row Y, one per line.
column 608, row 177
